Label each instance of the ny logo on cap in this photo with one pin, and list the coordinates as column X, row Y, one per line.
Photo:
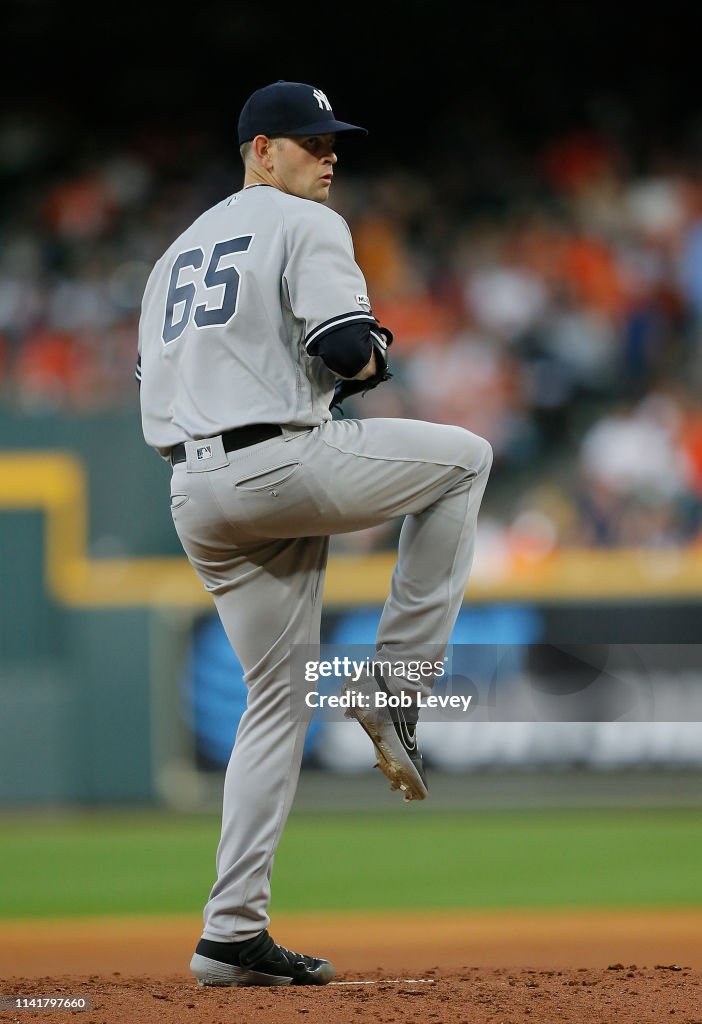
column 321, row 98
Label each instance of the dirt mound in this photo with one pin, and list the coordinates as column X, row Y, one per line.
column 628, row 994
column 639, row 966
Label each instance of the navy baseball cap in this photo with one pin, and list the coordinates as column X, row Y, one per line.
column 290, row 108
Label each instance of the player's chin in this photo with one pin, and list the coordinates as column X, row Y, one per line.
column 321, row 191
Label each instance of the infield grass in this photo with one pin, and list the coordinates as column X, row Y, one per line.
column 107, row 863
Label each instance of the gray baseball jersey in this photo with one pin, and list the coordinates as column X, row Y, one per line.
column 228, row 313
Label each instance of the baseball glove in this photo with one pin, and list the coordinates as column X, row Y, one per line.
column 382, row 339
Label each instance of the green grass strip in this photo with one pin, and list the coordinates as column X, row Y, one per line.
column 154, row 863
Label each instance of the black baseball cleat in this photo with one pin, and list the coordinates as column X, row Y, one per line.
column 257, row 961
column 394, row 735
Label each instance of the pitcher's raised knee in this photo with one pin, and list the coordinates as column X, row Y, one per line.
column 484, row 450
column 466, row 449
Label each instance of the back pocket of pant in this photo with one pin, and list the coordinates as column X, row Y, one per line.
column 268, row 479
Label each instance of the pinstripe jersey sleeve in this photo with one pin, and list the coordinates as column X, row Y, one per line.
column 325, row 286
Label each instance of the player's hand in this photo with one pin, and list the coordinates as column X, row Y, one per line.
column 345, row 388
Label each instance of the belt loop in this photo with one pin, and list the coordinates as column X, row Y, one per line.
column 290, row 432
column 206, row 455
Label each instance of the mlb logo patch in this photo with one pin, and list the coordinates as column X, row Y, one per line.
column 204, row 453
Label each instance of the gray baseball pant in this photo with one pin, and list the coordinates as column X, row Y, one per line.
column 255, row 524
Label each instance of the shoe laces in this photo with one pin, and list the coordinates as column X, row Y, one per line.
column 296, row 959
column 264, row 947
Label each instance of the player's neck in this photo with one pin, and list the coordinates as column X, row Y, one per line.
column 253, row 177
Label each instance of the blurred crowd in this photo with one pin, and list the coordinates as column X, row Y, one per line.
column 550, row 301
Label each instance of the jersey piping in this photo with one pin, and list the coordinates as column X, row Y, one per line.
column 337, row 321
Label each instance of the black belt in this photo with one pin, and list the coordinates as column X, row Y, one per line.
column 240, row 437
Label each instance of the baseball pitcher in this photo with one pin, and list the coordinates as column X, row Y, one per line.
column 254, row 323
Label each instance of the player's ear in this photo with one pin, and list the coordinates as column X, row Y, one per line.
column 262, row 148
